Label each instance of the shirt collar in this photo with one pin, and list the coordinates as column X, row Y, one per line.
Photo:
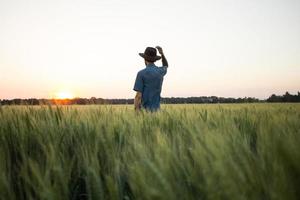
column 151, row 65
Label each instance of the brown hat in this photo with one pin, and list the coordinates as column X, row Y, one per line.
column 150, row 54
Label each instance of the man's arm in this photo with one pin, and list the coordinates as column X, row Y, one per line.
column 163, row 58
column 138, row 101
column 138, row 87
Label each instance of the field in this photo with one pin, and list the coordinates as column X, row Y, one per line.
column 228, row 152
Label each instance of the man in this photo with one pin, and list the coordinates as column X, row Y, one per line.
column 149, row 81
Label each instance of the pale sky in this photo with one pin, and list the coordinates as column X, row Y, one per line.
column 231, row 48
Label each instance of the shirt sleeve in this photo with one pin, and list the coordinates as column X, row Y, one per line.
column 163, row 70
column 139, row 83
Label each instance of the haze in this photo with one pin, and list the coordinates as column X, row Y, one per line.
column 90, row 48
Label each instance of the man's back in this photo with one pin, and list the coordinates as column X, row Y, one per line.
column 149, row 83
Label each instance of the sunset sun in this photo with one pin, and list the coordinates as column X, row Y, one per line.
column 64, row 95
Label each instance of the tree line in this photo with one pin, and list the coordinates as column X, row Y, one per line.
column 287, row 97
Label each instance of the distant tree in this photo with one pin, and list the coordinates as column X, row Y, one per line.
column 93, row 100
column 274, row 98
column 286, row 97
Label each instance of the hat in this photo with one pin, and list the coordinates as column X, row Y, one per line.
column 150, row 54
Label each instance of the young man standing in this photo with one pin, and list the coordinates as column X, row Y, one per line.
column 149, row 80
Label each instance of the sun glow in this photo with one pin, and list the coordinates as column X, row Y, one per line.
column 64, row 95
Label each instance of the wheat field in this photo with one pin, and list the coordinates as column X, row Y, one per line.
column 219, row 151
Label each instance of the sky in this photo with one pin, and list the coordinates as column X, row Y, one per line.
column 89, row 48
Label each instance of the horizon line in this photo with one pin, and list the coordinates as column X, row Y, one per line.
column 161, row 97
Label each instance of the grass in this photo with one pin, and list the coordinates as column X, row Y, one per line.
column 241, row 151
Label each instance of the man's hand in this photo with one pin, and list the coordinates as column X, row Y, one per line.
column 138, row 101
column 160, row 50
column 164, row 60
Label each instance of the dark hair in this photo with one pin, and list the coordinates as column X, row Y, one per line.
column 149, row 61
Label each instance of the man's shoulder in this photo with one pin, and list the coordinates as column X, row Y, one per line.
column 142, row 71
column 150, row 69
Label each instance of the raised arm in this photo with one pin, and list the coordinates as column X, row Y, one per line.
column 163, row 58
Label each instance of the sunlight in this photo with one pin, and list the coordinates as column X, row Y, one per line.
column 64, row 95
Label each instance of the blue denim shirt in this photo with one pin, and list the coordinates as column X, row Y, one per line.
column 149, row 83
